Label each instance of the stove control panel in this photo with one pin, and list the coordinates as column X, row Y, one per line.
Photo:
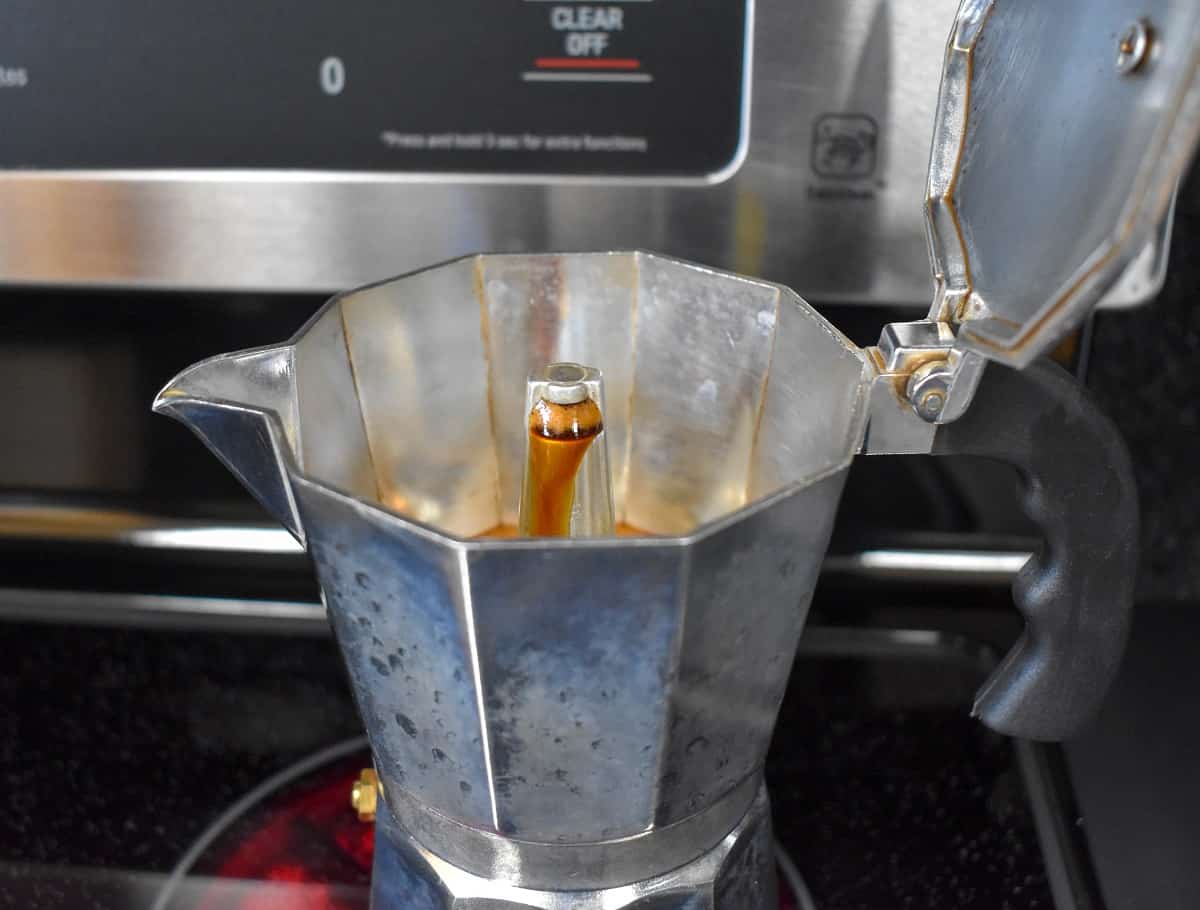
column 489, row 87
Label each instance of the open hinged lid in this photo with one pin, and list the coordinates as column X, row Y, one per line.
column 1061, row 132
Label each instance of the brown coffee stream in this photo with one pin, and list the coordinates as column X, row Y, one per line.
column 559, row 437
column 503, row 532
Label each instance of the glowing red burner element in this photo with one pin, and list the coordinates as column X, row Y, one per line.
column 302, row 849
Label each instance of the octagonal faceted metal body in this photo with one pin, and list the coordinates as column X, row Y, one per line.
column 554, row 691
column 737, row 873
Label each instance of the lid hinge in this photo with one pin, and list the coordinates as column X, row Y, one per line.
column 923, row 380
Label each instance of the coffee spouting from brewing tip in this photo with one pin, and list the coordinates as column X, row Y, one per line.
column 566, row 490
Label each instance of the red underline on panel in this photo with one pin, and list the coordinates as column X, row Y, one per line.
column 587, row 63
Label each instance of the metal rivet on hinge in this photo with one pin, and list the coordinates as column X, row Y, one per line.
column 1133, row 47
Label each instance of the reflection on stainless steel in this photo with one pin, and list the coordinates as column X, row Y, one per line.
column 1043, row 189
column 120, row 527
column 955, row 566
column 736, row 873
column 221, row 538
column 960, row 568
column 564, row 697
column 124, row 609
column 892, row 643
column 602, row 865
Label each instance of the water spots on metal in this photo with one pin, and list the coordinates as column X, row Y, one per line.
column 363, row 580
column 505, row 707
column 406, row 724
column 380, row 667
column 504, row 784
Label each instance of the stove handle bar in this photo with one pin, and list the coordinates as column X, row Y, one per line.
column 1076, row 593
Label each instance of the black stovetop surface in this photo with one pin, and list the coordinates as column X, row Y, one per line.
column 119, row 746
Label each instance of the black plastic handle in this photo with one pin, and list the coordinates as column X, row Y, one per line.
column 1077, row 592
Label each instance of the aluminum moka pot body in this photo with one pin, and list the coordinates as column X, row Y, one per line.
column 555, row 715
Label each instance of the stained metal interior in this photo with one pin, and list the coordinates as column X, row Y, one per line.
column 719, row 390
